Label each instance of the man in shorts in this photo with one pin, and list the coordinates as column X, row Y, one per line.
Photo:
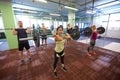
column 22, row 33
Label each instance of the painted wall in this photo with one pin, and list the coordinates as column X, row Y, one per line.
column 8, row 22
column 113, row 27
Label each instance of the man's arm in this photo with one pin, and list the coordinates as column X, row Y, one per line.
column 28, row 30
column 14, row 31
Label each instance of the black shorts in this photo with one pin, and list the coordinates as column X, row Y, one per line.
column 44, row 36
column 21, row 45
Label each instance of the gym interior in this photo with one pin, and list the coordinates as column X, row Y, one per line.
column 80, row 15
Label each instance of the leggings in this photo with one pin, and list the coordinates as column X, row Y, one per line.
column 56, row 58
column 92, row 44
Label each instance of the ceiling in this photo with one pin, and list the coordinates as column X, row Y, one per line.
column 39, row 9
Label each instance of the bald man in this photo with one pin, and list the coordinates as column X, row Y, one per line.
column 22, row 33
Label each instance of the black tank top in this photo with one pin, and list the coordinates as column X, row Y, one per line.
column 21, row 33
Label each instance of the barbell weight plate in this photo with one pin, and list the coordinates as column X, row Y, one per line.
column 36, row 38
column 76, row 27
column 88, row 31
column 37, row 43
column 101, row 30
column 75, row 34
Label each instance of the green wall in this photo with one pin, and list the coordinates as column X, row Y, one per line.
column 8, row 21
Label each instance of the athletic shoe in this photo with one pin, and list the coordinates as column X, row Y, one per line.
column 89, row 54
column 55, row 74
column 22, row 61
column 64, row 69
column 94, row 53
column 30, row 59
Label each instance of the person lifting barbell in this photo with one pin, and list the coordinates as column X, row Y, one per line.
column 59, row 48
column 92, row 40
column 69, row 31
column 35, row 35
column 22, row 33
column 75, row 34
column 44, row 34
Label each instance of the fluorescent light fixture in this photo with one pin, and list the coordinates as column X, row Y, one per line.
column 44, row 1
column 71, row 8
column 32, row 11
column 52, row 14
column 45, row 17
column 111, row 10
column 115, row 9
column 109, row 4
column 25, row 10
column 90, row 12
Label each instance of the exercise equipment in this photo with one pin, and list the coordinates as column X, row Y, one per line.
column 75, row 34
column 101, row 30
column 15, row 28
column 88, row 31
column 7, row 29
column 36, row 38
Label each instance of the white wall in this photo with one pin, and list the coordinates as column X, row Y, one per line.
column 113, row 27
column 1, row 24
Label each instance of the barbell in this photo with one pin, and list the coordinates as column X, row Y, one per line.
column 15, row 28
column 75, row 34
column 88, row 31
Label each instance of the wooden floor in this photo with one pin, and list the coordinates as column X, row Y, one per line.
column 105, row 65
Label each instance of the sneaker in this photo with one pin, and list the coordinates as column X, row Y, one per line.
column 30, row 59
column 55, row 74
column 94, row 53
column 67, row 46
column 89, row 54
column 22, row 61
column 64, row 69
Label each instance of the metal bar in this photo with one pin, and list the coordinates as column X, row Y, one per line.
column 15, row 28
column 6, row 29
column 28, row 38
column 106, row 29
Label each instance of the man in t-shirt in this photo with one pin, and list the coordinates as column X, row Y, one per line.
column 22, row 33
column 44, row 34
column 69, row 31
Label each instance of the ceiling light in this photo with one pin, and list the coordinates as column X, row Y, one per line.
column 52, row 14
column 111, row 10
column 90, row 12
column 108, row 4
column 44, row 1
column 31, row 11
column 71, row 8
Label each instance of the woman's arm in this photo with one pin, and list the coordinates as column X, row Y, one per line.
column 67, row 36
column 58, row 38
